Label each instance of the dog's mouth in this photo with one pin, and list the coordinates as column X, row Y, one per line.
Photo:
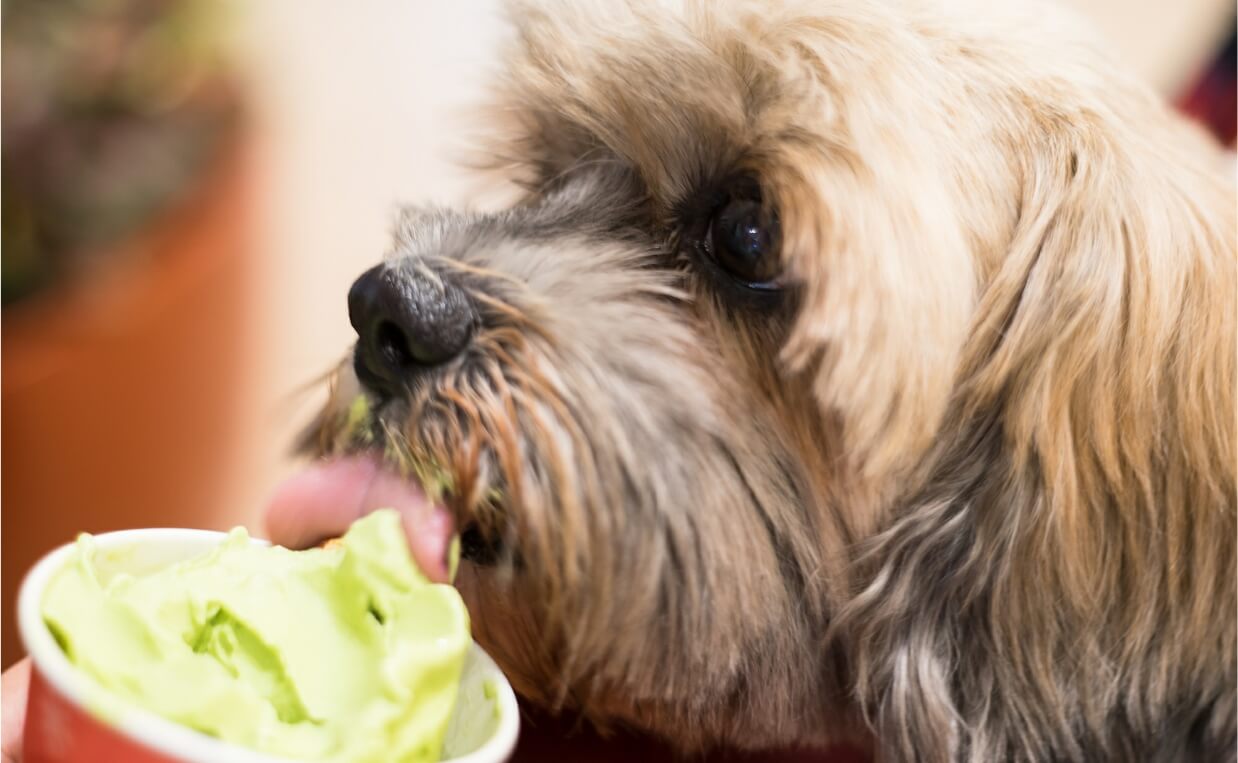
column 321, row 501
column 480, row 548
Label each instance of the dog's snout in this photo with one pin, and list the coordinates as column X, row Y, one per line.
column 408, row 318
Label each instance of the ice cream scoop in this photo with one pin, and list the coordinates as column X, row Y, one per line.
column 345, row 654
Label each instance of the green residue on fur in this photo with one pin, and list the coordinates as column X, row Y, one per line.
column 453, row 557
column 357, row 420
column 434, row 479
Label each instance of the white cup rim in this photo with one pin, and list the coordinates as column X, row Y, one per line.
column 165, row 736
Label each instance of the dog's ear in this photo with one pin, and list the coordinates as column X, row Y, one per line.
column 875, row 243
column 1107, row 339
column 1081, row 499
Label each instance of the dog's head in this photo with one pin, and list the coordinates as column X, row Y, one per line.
column 780, row 279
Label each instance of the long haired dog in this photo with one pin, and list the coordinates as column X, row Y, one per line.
column 848, row 369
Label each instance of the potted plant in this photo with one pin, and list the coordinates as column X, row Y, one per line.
column 126, row 262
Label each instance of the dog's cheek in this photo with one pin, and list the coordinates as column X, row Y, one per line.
column 696, row 611
column 508, row 633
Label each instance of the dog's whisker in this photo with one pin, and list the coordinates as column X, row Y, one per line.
column 506, row 309
column 480, row 271
column 311, row 386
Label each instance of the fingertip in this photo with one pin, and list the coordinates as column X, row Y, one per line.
column 14, row 686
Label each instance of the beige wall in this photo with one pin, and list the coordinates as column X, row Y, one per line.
column 355, row 108
column 1163, row 41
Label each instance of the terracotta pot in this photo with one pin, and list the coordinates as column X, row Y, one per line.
column 122, row 397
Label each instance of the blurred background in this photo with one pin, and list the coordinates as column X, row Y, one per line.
column 189, row 187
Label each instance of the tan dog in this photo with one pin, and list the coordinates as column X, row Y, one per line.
column 849, row 369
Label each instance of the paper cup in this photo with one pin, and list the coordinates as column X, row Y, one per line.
column 72, row 719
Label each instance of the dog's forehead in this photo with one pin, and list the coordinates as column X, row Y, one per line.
column 680, row 96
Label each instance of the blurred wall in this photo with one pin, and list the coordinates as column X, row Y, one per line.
column 1164, row 42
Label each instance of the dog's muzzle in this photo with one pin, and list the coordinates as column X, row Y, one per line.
column 411, row 319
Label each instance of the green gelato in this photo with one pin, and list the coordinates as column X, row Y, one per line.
column 341, row 654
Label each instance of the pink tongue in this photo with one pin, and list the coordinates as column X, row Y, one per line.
column 322, row 501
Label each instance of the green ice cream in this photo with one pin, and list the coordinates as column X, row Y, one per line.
column 341, row 654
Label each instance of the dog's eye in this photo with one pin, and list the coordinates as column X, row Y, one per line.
column 743, row 238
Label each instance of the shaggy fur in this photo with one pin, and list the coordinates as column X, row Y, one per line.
column 965, row 486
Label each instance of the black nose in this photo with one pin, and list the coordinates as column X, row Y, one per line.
column 407, row 318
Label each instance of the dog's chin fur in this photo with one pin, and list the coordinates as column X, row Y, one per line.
column 964, row 486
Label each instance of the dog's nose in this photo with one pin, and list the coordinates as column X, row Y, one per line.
column 408, row 318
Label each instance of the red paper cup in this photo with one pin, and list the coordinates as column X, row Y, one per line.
column 72, row 719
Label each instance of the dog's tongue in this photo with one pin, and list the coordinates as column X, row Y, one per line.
column 323, row 500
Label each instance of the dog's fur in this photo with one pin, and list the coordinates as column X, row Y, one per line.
column 965, row 487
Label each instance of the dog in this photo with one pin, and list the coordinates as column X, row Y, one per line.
column 846, row 370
